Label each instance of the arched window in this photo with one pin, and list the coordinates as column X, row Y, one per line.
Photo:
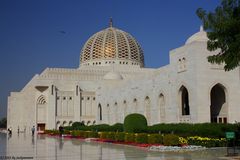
column 179, row 65
column 183, row 63
column 184, row 101
column 161, row 102
column 148, row 108
column 116, row 112
column 100, row 111
column 218, row 106
column 108, row 113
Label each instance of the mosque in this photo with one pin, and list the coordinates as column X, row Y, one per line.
column 111, row 82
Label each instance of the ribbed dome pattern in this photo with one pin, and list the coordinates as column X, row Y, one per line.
column 109, row 46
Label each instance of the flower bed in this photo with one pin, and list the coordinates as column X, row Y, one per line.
column 207, row 142
column 142, row 139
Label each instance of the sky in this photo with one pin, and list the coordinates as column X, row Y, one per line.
column 36, row 34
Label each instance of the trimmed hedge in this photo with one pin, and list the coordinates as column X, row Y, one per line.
column 81, row 134
column 212, row 130
column 155, row 139
column 171, row 140
column 135, row 123
column 111, row 136
column 77, row 124
column 103, row 135
column 66, row 132
column 167, row 140
column 93, row 134
column 129, row 137
column 118, row 127
column 141, row 138
column 120, row 136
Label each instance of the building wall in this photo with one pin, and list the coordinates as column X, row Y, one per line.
column 59, row 97
column 189, row 68
column 62, row 96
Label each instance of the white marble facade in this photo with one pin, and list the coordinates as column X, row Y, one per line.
column 111, row 82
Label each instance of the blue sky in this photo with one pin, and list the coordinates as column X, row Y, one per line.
column 31, row 37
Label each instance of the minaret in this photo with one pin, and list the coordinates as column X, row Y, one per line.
column 111, row 22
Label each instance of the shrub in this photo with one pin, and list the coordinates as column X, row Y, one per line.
column 66, row 132
column 48, row 131
column 155, row 139
column 75, row 133
column 68, row 128
column 212, row 130
column 100, row 127
column 170, row 140
column 97, row 128
column 55, row 132
column 141, row 138
column 111, row 136
column 119, row 136
column 103, row 135
column 51, row 131
column 129, row 137
column 135, row 123
column 105, row 128
column 82, row 134
column 93, row 134
column 77, row 124
column 118, row 127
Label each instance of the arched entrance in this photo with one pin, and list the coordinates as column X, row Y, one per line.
column 218, row 108
column 185, row 108
column 41, row 113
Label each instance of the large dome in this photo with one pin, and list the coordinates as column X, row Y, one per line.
column 111, row 46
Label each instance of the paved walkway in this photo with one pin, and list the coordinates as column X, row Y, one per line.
column 49, row 148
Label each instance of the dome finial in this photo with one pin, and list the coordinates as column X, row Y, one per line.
column 111, row 22
column 201, row 28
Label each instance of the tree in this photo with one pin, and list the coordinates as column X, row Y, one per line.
column 223, row 31
column 135, row 123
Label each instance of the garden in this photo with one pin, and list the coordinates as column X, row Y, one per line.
column 135, row 131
